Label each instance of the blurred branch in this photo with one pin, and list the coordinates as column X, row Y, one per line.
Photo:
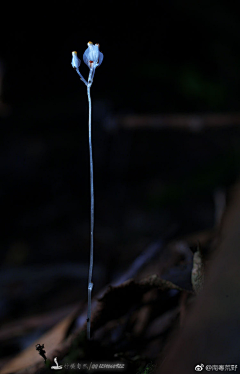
column 40, row 321
column 192, row 122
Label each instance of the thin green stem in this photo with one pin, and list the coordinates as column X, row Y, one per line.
column 90, row 284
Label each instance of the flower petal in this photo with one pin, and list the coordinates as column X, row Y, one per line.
column 100, row 58
column 86, row 57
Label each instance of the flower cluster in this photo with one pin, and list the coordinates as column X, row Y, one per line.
column 92, row 58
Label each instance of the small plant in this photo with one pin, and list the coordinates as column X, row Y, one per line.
column 148, row 369
column 92, row 58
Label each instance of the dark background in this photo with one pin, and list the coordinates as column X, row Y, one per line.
column 161, row 57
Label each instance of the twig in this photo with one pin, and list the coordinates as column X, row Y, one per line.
column 193, row 122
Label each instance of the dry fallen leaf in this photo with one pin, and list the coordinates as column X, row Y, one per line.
column 118, row 300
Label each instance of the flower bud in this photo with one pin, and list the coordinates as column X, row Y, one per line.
column 75, row 60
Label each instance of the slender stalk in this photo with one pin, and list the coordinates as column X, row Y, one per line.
column 81, row 77
column 90, row 284
column 92, row 58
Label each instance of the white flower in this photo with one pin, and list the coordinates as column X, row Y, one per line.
column 75, row 60
column 92, row 56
